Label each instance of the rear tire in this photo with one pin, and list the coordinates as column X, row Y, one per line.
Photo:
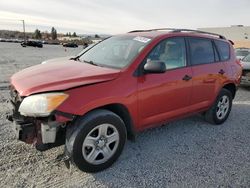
column 219, row 112
column 96, row 141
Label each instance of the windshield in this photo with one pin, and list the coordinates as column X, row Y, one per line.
column 84, row 50
column 247, row 58
column 115, row 52
column 242, row 52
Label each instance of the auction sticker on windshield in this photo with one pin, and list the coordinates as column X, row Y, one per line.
column 142, row 39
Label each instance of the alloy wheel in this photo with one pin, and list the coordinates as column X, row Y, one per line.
column 222, row 107
column 100, row 144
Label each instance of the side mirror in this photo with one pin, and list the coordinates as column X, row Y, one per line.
column 155, row 67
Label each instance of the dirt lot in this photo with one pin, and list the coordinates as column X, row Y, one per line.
column 185, row 153
column 240, row 44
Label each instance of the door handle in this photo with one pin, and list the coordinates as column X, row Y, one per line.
column 187, row 77
column 221, row 72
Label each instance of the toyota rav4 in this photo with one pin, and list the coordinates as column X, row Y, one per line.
column 125, row 84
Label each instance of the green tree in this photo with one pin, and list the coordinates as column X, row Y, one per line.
column 37, row 34
column 97, row 36
column 74, row 34
column 53, row 33
column 69, row 34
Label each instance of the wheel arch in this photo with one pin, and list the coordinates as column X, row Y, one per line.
column 124, row 114
column 122, row 111
column 231, row 87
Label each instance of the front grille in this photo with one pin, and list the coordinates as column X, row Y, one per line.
column 16, row 101
column 26, row 127
column 14, row 96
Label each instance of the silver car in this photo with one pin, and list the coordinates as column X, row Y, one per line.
column 245, row 80
column 241, row 52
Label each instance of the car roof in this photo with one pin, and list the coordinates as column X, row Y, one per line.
column 154, row 33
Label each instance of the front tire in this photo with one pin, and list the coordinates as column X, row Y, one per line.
column 221, row 108
column 96, row 141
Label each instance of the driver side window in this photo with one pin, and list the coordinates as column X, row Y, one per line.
column 171, row 51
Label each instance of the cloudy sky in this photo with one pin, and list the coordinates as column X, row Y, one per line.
column 119, row 16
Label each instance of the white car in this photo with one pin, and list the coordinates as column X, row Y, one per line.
column 241, row 52
column 245, row 80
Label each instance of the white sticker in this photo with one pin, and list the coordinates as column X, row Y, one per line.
column 142, row 39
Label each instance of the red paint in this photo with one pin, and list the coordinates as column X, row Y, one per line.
column 150, row 99
column 59, row 76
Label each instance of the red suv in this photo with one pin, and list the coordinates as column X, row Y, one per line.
column 120, row 86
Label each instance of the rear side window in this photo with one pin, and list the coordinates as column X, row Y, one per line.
column 201, row 51
column 224, row 50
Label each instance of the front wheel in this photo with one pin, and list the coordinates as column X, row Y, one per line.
column 97, row 141
column 221, row 108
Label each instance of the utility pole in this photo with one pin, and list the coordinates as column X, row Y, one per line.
column 24, row 36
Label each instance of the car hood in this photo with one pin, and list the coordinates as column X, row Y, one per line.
column 60, row 76
column 245, row 65
column 57, row 59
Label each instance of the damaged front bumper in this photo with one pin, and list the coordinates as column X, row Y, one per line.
column 44, row 133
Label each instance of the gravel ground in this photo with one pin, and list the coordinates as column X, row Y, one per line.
column 184, row 153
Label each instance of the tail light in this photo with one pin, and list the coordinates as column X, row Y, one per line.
column 239, row 62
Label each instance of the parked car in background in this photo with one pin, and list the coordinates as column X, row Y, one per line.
column 70, row 45
column 121, row 86
column 32, row 43
column 2, row 40
column 245, row 79
column 242, row 52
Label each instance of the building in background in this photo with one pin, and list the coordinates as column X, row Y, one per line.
column 239, row 34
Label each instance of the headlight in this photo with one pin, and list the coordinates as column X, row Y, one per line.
column 41, row 105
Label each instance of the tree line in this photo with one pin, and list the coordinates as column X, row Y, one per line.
column 38, row 35
column 53, row 34
column 41, row 35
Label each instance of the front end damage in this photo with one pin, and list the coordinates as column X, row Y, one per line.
column 43, row 132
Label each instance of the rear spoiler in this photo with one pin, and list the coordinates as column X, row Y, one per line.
column 231, row 42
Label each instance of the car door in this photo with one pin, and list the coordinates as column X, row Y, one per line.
column 165, row 95
column 208, row 72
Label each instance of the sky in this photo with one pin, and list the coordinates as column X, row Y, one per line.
column 120, row 16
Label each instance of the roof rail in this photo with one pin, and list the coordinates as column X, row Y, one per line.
column 179, row 30
column 148, row 30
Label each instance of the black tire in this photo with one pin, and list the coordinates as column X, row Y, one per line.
column 211, row 115
column 82, row 127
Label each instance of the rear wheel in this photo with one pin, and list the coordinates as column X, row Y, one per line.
column 221, row 109
column 98, row 141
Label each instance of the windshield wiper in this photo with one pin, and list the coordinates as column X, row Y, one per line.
column 90, row 62
column 74, row 58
